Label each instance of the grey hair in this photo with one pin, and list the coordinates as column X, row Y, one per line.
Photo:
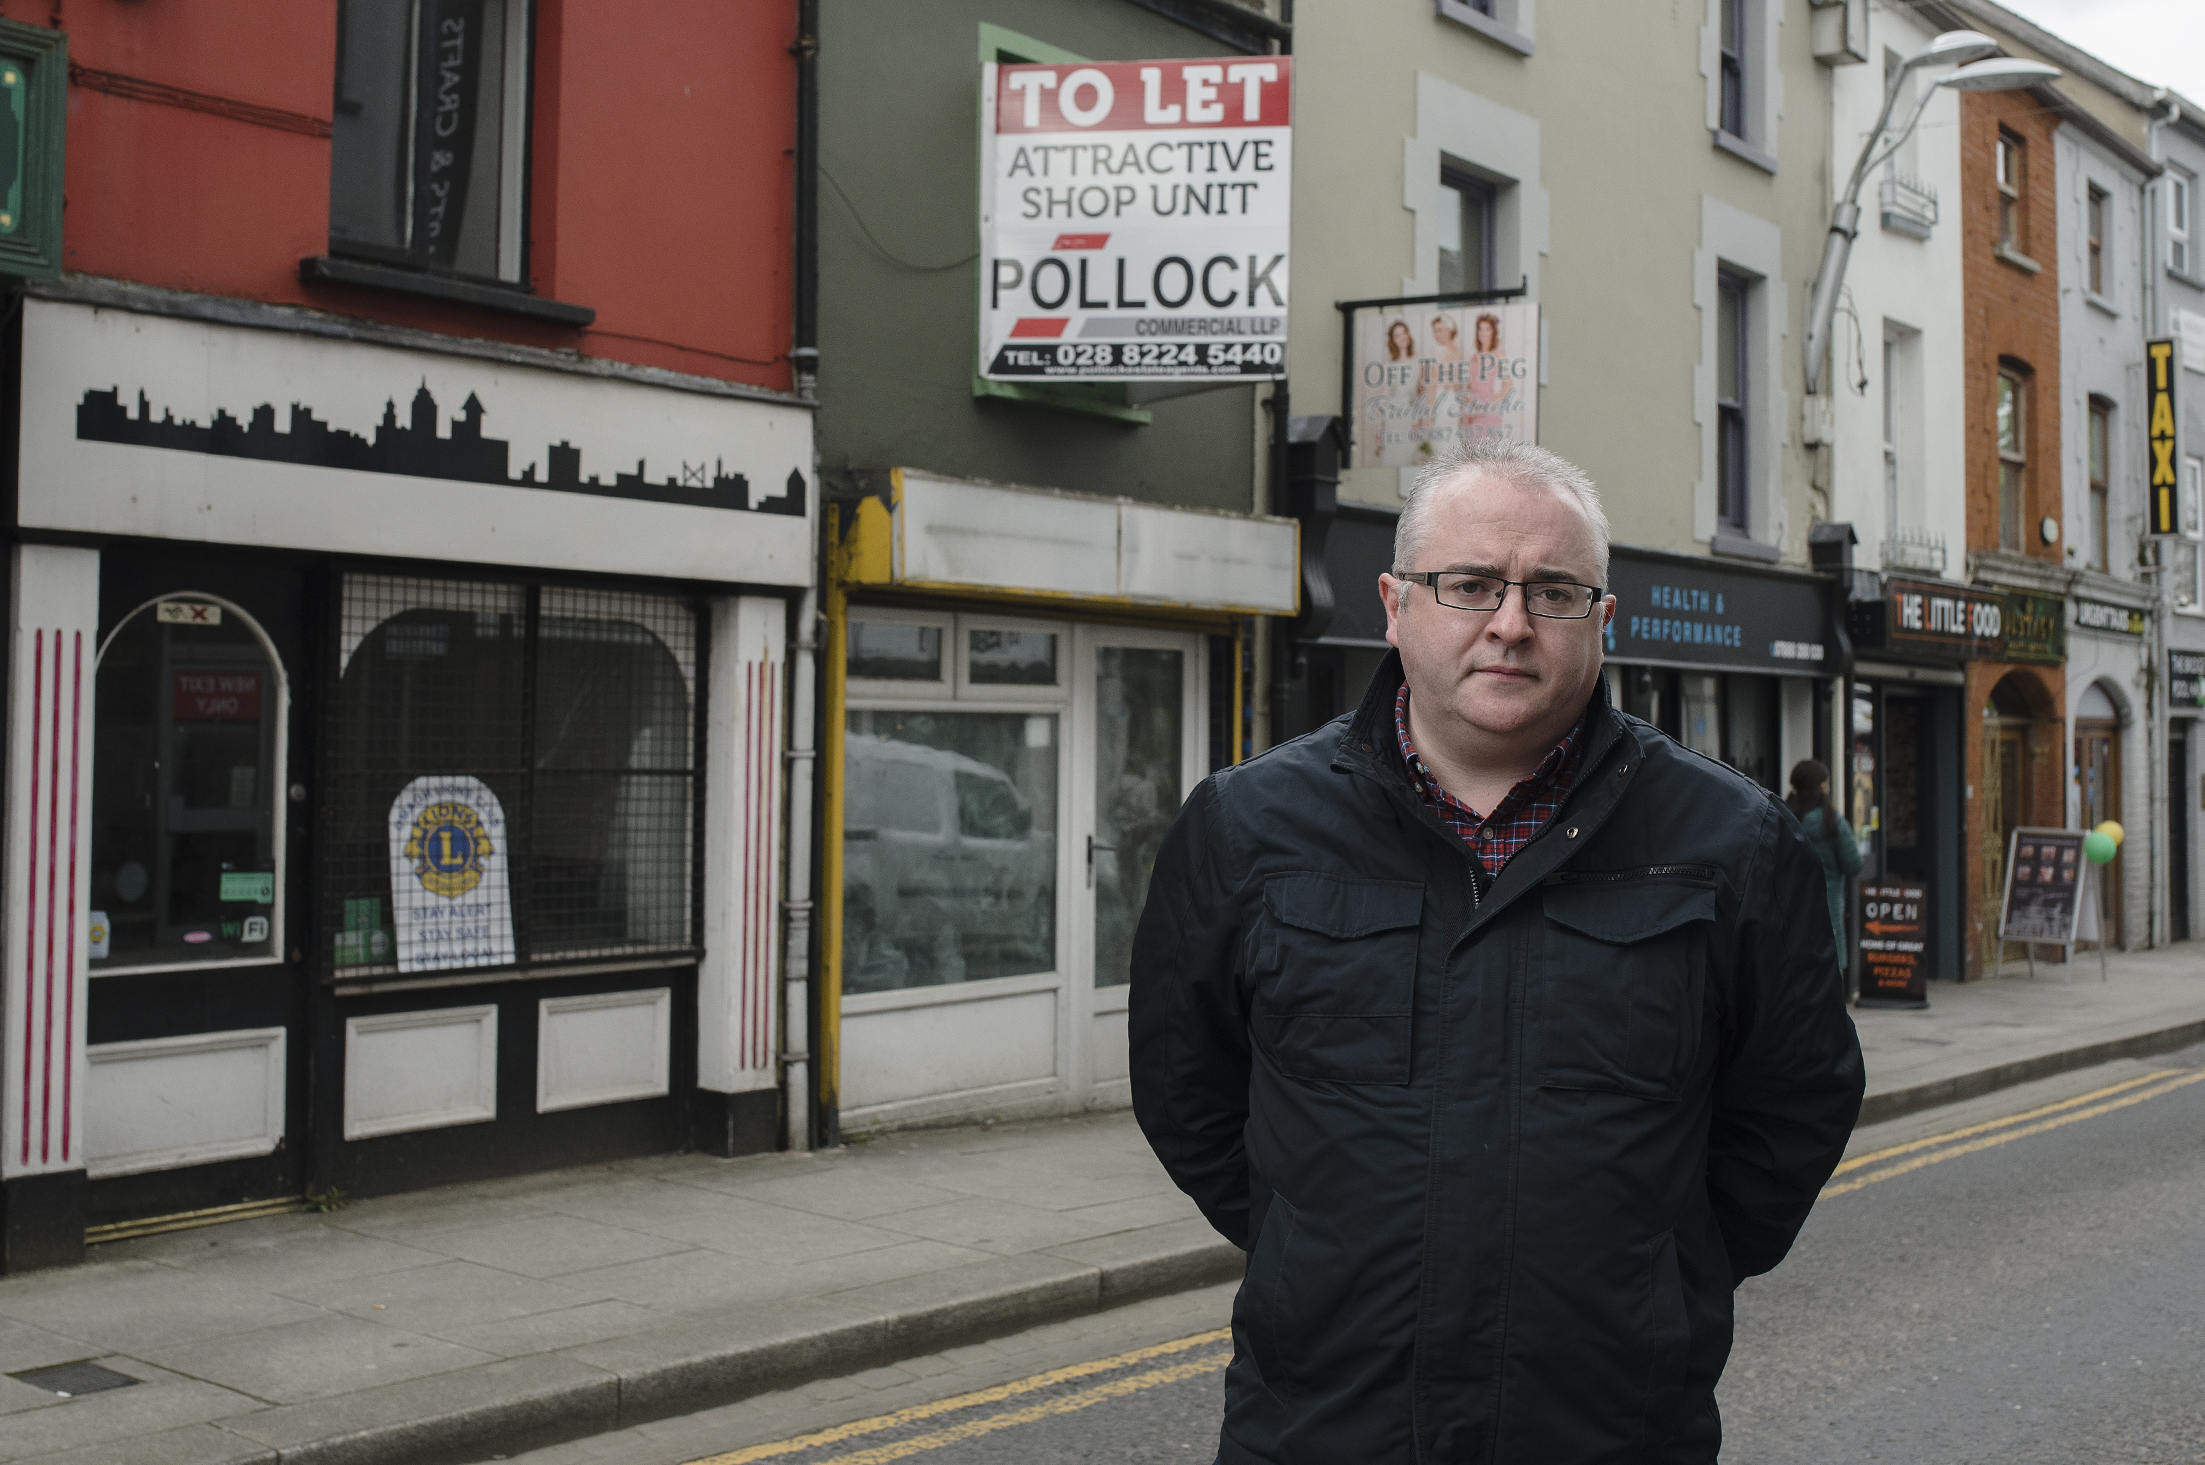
column 1519, row 463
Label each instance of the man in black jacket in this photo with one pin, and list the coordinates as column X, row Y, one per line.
column 1501, row 1104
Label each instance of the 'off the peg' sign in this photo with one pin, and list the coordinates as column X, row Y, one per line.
column 1134, row 219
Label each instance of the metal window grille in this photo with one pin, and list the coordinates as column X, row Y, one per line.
column 576, row 708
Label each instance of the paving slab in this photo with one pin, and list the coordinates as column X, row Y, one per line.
column 450, row 1325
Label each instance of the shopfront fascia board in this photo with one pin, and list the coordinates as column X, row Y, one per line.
column 167, row 428
column 945, row 536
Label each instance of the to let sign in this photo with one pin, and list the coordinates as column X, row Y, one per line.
column 1894, row 943
column 217, row 696
column 1134, row 219
column 2159, row 437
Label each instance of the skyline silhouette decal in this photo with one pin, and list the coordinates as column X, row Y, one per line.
column 414, row 449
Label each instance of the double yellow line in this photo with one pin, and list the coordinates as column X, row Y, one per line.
column 1866, row 1170
column 989, row 1424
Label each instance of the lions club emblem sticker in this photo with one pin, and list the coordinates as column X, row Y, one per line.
column 451, row 901
column 447, row 847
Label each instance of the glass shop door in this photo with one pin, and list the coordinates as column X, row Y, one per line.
column 1137, row 755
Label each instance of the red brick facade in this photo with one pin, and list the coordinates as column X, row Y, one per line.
column 2012, row 325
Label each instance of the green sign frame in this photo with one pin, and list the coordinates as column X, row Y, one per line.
column 2033, row 628
column 34, row 95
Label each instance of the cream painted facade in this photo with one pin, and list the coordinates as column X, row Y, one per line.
column 1614, row 202
column 1898, row 372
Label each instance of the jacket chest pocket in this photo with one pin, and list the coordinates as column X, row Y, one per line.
column 1620, row 968
column 1335, row 969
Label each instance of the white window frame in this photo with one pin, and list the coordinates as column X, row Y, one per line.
column 2181, row 221
column 1762, row 80
column 961, row 656
column 279, row 784
column 1750, row 248
column 941, row 689
column 1509, row 23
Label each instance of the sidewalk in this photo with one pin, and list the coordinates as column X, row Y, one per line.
column 464, row 1323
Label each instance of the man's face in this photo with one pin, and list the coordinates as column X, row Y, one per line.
column 1503, row 672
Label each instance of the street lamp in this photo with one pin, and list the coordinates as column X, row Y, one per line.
column 1964, row 49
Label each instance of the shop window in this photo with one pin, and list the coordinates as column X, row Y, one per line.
column 187, row 776
column 428, row 138
column 573, row 710
column 1733, row 367
column 2013, row 457
column 2101, row 439
column 950, row 799
column 1465, row 233
column 2012, row 166
column 2094, row 214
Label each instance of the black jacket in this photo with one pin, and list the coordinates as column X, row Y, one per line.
column 1499, row 1150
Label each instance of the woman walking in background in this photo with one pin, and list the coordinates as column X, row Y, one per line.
column 1832, row 839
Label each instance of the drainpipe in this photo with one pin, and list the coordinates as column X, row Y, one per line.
column 796, row 961
column 804, row 353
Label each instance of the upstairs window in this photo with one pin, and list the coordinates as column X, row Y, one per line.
column 428, row 140
column 2094, row 224
column 2013, row 457
column 1732, row 368
column 2101, row 482
column 1465, row 234
column 2013, row 159
column 2180, row 193
column 1732, row 41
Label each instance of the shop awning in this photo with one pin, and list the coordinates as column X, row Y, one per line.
column 956, row 536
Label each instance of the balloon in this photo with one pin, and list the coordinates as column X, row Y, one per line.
column 2113, row 831
column 2098, row 847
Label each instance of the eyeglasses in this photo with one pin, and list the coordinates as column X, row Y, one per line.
column 1557, row 600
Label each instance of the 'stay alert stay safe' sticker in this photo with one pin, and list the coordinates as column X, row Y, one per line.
column 450, row 892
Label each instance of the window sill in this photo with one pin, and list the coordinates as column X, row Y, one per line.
column 1062, row 397
column 360, row 981
column 2195, row 282
column 2102, row 303
column 1738, row 547
column 2017, row 259
column 1912, row 228
column 1485, row 25
column 324, row 270
column 1738, row 147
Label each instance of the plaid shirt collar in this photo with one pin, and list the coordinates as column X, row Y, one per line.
column 1522, row 812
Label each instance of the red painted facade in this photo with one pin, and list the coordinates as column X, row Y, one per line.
column 661, row 162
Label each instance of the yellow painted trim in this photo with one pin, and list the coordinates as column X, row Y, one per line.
column 827, row 1070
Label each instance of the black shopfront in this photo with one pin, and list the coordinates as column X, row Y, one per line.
column 1733, row 661
column 1902, row 782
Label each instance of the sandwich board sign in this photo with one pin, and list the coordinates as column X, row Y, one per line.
column 1894, row 943
column 1134, row 220
column 2044, row 883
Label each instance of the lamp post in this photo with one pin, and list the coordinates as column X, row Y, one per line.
column 1964, row 49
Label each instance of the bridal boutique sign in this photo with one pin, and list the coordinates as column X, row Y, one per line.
column 1430, row 377
column 449, row 887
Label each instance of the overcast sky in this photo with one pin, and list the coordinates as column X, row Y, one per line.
column 2158, row 41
